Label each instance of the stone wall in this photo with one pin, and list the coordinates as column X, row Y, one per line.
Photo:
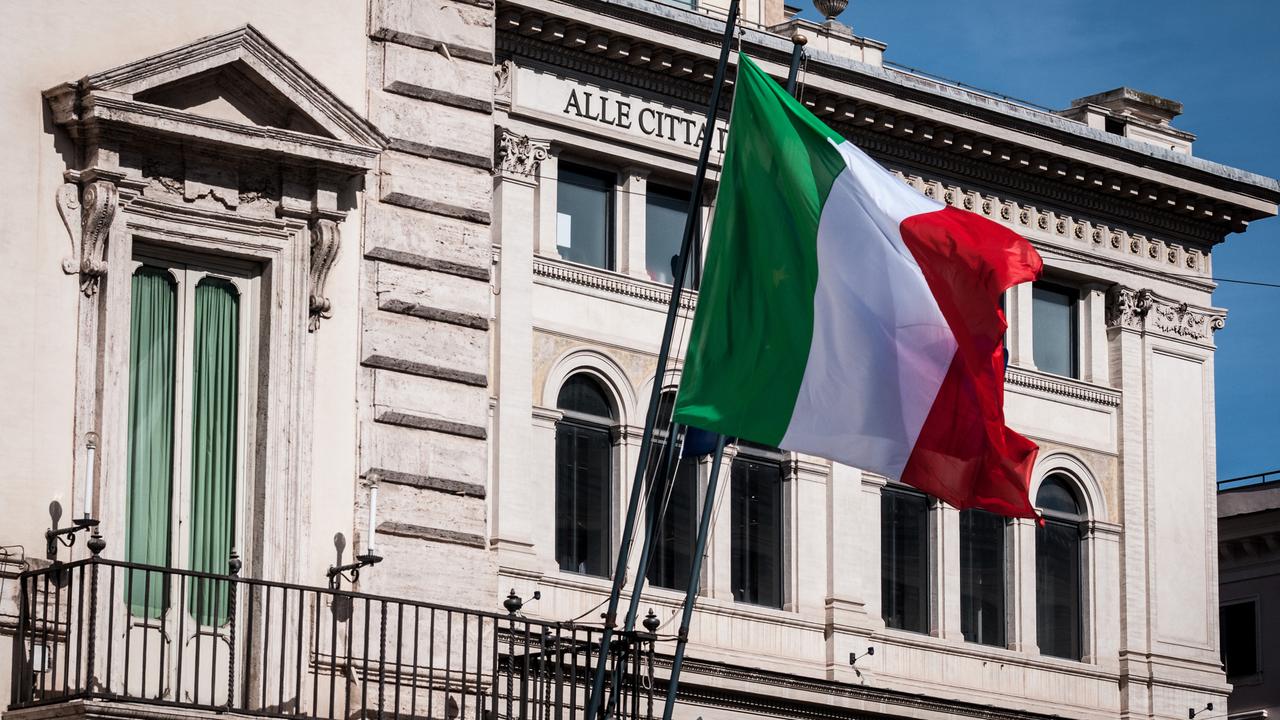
column 426, row 298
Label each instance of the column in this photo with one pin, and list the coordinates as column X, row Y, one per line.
column 548, row 200
column 631, row 203
column 1093, row 336
column 515, row 205
column 1018, row 312
column 1021, row 570
column 848, row 566
column 720, row 576
column 946, row 571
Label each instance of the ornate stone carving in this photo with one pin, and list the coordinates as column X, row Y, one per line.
column 88, row 223
column 520, row 155
column 1126, row 307
column 1183, row 321
column 502, row 83
column 325, row 242
column 1146, row 311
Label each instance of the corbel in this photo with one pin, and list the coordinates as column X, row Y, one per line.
column 326, row 239
column 88, row 219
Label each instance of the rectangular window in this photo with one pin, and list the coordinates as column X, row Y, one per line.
column 584, row 457
column 982, row 583
column 584, row 216
column 665, row 212
column 678, row 504
column 1238, row 627
column 1054, row 329
column 756, row 542
column 904, row 559
column 1059, row 627
column 187, row 392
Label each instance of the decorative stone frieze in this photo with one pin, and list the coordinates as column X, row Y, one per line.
column 1148, row 311
column 520, row 155
column 325, row 241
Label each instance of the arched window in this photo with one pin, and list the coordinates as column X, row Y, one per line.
column 584, row 474
column 1059, row 588
column 675, row 502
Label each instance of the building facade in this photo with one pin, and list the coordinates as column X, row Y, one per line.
column 389, row 283
column 1248, row 551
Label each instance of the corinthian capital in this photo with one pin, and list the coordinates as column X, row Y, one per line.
column 519, row 155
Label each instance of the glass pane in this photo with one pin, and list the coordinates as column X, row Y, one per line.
column 582, row 395
column 665, row 213
column 584, row 216
column 1056, row 497
column 982, row 583
column 1058, row 619
column 215, row 366
column 1238, row 624
column 152, row 337
column 583, row 474
column 756, row 538
column 674, row 544
column 904, row 559
column 1053, row 322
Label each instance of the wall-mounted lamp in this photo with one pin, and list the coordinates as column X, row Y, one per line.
column 67, row 535
column 513, row 603
column 351, row 571
column 1192, row 712
column 855, row 657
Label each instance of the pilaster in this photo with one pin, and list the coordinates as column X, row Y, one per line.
column 631, row 201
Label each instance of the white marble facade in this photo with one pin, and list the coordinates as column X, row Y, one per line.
column 388, row 175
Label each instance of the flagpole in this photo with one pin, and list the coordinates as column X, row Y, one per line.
column 708, row 503
column 664, row 352
column 695, row 576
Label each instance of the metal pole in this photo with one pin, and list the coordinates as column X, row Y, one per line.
column 664, row 352
column 797, row 53
column 672, row 451
column 704, row 522
column 695, row 575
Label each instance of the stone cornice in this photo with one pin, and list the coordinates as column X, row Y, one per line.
column 1073, row 389
column 1138, row 177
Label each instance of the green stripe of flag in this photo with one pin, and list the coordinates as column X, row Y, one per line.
column 751, row 335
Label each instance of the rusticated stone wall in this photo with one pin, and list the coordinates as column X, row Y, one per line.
column 426, row 300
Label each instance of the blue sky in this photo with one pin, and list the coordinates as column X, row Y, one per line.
column 1220, row 59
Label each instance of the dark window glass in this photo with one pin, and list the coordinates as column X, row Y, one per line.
column 1238, row 625
column 904, row 559
column 1054, row 335
column 1059, row 616
column 584, row 216
column 982, row 584
column 756, row 497
column 584, row 471
column 665, row 213
column 673, row 506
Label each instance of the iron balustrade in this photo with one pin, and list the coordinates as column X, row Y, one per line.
column 110, row 630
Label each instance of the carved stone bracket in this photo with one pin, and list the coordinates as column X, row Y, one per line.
column 1146, row 311
column 325, row 241
column 88, row 223
column 520, row 155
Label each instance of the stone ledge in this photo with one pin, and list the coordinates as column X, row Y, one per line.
column 444, row 97
column 426, row 312
column 413, row 202
column 426, row 482
column 421, row 422
column 422, row 262
column 384, row 362
column 430, row 534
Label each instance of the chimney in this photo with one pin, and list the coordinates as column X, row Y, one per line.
column 1133, row 114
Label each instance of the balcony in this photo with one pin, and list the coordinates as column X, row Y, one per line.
column 99, row 630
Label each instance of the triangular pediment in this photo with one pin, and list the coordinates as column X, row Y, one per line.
column 237, row 77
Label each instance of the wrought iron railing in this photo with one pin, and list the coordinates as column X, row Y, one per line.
column 103, row 629
column 1265, row 478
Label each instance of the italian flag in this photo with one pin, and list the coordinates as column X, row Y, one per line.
column 845, row 315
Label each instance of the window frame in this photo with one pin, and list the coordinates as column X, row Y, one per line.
column 1005, row 595
column 673, row 190
column 751, row 452
column 609, row 177
column 186, row 270
column 1075, row 358
column 927, row 561
column 1077, row 522
column 609, row 426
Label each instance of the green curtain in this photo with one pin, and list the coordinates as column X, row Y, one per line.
column 213, row 444
column 152, row 328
